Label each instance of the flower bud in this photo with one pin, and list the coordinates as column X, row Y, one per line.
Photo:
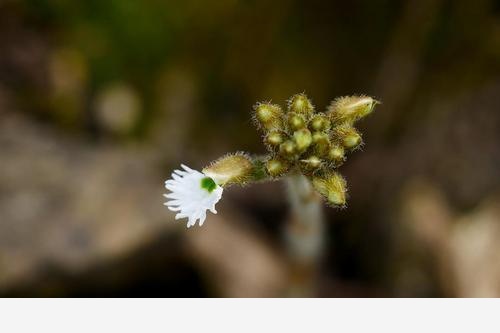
column 320, row 122
column 259, row 170
column 336, row 154
column 296, row 121
column 276, row 167
column 269, row 116
column 349, row 109
column 321, row 142
column 300, row 104
column 288, row 149
column 331, row 186
column 311, row 163
column 230, row 169
column 352, row 141
column 303, row 139
column 275, row 138
column 348, row 136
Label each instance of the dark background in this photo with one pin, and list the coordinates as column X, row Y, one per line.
column 100, row 100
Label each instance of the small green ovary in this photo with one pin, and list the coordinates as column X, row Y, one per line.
column 208, row 184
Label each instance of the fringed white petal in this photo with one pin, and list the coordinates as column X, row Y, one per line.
column 188, row 198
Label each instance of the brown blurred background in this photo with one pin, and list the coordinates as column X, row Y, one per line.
column 100, row 100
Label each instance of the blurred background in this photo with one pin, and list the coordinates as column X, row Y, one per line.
column 100, row 100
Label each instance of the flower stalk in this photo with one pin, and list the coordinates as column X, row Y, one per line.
column 304, row 235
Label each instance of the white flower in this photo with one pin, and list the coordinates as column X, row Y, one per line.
column 192, row 194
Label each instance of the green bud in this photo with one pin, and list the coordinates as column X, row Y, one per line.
column 275, row 138
column 311, row 163
column 303, row 139
column 352, row 141
column 300, row 104
column 269, row 116
column 288, row 149
column 230, row 169
column 276, row 167
column 321, row 141
column 349, row 109
column 320, row 122
column 336, row 154
column 332, row 186
column 259, row 171
column 348, row 136
column 296, row 121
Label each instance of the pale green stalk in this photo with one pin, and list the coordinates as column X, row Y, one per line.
column 304, row 235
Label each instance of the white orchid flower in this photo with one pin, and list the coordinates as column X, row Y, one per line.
column 192, row 193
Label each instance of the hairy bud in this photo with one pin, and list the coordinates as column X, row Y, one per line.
column 321, row 142
column 268, row 116
column 320, row 122
column 276, row 167
column 303, row 139
column 288, row 149
column 332, row 186
column 311, row 163
column 230, row 169
column 300, row 104
column 336, row 154
column 349, row 109
column 296, row 121
column 275, row 138
column 348, row 136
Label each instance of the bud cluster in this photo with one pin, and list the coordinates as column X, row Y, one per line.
column 313, row 143
column 299, row 141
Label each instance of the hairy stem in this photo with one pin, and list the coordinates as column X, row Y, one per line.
column 304, row 235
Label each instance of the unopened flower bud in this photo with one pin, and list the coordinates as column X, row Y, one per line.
column 303, row 139
column 269, row 116
column 352, row 141
column 336, row 154
column 230, row 169
column 331, row 186
column 349, row 109
column 288, row 149
column 321, row 142
column 320, row 122
column 301, row 104
column 311, row 163
column 296, row 121
column 276, row 167
column 275, row 138
column 348, row 136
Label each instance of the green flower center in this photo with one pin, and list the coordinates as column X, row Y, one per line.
column 208, row 184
